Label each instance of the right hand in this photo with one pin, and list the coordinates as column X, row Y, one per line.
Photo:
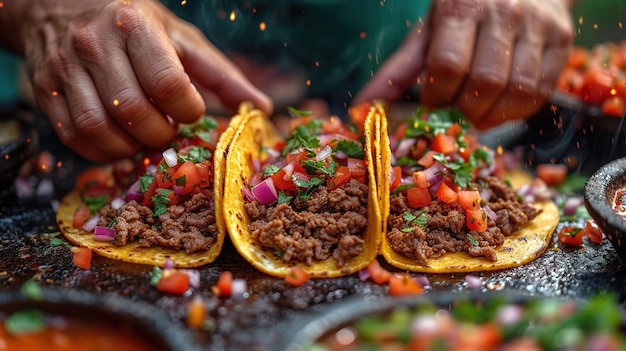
column 114, row 76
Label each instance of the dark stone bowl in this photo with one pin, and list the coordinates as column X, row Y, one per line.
column 600, row 192
column 16, row 151
column 146, row 320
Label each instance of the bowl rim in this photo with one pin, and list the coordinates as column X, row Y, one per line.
column 149, row 320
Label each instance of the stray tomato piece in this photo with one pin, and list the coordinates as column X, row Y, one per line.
column 297, row 276
column 225, row 283
column 427, row 159
column 469, row 199
column 444, row 143
column 571, row 236
column 205, row 172
column 418, row 197
column 403, row 285
column 446, row 194
column 418, row 149
column 597, row 86
column 176, row 283
column 378, row 274
column 94, row 176
column 80, row 216
column 593, row 231
column 82, row 257
column 196, row 312
column 476, row 220
column 358, row 114
column 357, row 168
column 552, row 174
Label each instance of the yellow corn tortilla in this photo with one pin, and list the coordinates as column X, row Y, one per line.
column 523, row 246
column 257, row 131
column 156, row 256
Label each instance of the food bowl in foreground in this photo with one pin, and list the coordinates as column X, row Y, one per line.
column 62, row 319
column 600, row 200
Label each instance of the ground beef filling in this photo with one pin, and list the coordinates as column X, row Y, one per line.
column 446, row 231
column 189, row 225
column 329, row 223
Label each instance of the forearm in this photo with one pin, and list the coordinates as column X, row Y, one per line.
column 14, row 16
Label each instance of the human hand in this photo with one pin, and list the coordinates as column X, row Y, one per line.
column 496, row 60
column 114, row 76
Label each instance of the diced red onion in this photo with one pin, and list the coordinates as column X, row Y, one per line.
column 54, row 203
column 423, row 281
column 178, row 190
column 324, row 153
column 272, row 154
column 169, row 263
column 288, row 169
column 171, row 157
column 256, row 165
column 404, row 147
column 45, row 188
column 248, row 194
column 132, row 195
column 91, row 223
column 364, row 274
column 327, row 138
column 340, row 155
column 485, row 194
column 473, row 281
column 101, row 233
column 572, row 204
column 490, row 213
column 117, row 203
column 434, row 173
column 194, row 277
column 510, row 314
column 265, row 192
column 23, row 188
column 239, row 289
column 255, row 179
column 135, row 187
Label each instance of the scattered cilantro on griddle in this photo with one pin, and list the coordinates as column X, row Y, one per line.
column 156, row 275
column 58, row 242
column 22, row 322
column 32, row 290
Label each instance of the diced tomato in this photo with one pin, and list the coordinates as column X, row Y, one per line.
column 454, row 130
column 164, row 178
column 82, row 257
column 80, row 216
column 446, row 194
column 378, row 274
column 444, row 143
column 485, row 336
column 597, row 86
column 552, row 174
column 614, row 106
column 571, row 236
column 357, row 168
column 403, row 284
column 225, row 283
column 469, row 199
column 187, row 177
column 358, row 113
column 341, row 176
column 427, row 159
column 419, row 148
column 196, row 312
column 176, row 283
column 297, row 276
column 418, row 197
column 395, row 177
column 94, row 176
column 476, row 220
column 593, row 231
column 400, row 131
column 205, row 171
column 147, row 195
column 283, row 182
column 298, row 121
column 421, row 179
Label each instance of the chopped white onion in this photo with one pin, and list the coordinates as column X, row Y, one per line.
column 117, row 203
column 324, row 153
column 45, row 188
column 239, row 289
column 473, row 281
column 194, row 277
column 23, row 188
column 404, row 147
column 171, row 157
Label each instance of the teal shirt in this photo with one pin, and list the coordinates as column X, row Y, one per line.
column 338, row 43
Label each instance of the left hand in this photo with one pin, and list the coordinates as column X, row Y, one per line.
column 496, row 60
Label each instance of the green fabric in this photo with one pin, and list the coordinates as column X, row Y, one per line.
column 338, row 43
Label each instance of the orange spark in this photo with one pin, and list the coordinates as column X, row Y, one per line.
column 262, row 26
column 362, row 35
column 233, row 16
column 119, row 23
column 308, row 82
column 59, row 124
column 55, row 93
column 184, row 2
column 116, row 102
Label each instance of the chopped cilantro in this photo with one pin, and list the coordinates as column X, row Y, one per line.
column 270, row 171
column 573, row 232
column 401, row 188
column 284, row 198
column 471, row 239
column 181, row 181
column 145, row 181
column 439, row 120
column 94, row 203
column 58, row 242
column 156, row 275
column 163, row 167
column 319, row 167
column 22, row 322
column 195, row 154
column 351, row 148
column 32, row 290
column 414, row 221
column 160, row 201
column 406, row 161
column 306, row 187
column 573, row 184
column 294, row 112
column 304, row 137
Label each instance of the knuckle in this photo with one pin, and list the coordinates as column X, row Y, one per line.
column 90, row 123
column 169, row 83
column 87, row 43
column 488, row 80
column 130, row 108
column 128, row 19
column 508, row 12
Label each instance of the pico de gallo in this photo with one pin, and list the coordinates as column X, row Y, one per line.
column 308, row 196
column 447, row 192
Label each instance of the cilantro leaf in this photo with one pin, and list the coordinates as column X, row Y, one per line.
column 320, row 167
column 294, row 112
column 145, row 181
column 413, row 221
column 284, row 198
column 351, row 148
column 304, row 137
column 471, row 239
column 22, row 322
column 155, row 276
column 270, row 171
column 32, row 290
column 160, row 201
column 306, row 187
column 94, row 203
column 195, row 154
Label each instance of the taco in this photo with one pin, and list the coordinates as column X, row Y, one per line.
column 447, row 206
column 307, row 200
column 167, row 206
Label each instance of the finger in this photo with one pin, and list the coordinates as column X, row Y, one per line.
column 400, row 71
column 215, row 72
column 121, row 93
column 157, row 67
column 53, row 104
column 491, row 66
column 451, row 49
column 92, row 121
